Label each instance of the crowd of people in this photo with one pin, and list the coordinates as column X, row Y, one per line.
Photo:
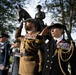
column 32, row 55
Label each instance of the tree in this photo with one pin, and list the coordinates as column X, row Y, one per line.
column 7, row 17
column 64, row 12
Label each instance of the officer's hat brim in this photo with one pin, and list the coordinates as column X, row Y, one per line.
column 57, row 25
column 3, row 35
column 30, row 20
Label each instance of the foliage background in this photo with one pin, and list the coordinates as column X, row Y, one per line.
column 63, row 11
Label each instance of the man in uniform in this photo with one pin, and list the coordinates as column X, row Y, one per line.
column 30, row 44
column 15, row 51
column 4, row 54
column 57, row 51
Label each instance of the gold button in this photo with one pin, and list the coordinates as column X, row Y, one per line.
column 47, row 49
column 51, row 61
column 50, row 67
column 46, row 66
column 52, row 56
column 47, row 60
column 47, row 55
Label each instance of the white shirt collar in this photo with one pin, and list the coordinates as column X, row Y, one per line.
column 58, row 39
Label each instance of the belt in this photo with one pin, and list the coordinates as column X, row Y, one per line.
column 27, row 53
column 17, row 54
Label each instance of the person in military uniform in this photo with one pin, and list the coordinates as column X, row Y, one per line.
column 30, row 44
column 4, row 54
column 15, row 51
column 58, row 51
column 39, row 16
column 73, row 61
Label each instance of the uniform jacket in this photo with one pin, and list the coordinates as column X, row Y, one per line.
column 29, row 64
column 51, row 65
column 4, row 54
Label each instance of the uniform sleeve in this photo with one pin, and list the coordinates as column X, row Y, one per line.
column 18, row 34
column 39, row 39
column 41, row 60
column 6, row 57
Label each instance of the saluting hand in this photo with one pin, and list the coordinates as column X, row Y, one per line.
column 44, row 31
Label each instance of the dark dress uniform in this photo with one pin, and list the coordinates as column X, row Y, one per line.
column 57, row 53
column 52, row 64
column 29, row 60
column 4, row 56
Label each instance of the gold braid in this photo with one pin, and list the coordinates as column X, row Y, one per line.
column 60, row 51
column 27, row 44
column 71, row 50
